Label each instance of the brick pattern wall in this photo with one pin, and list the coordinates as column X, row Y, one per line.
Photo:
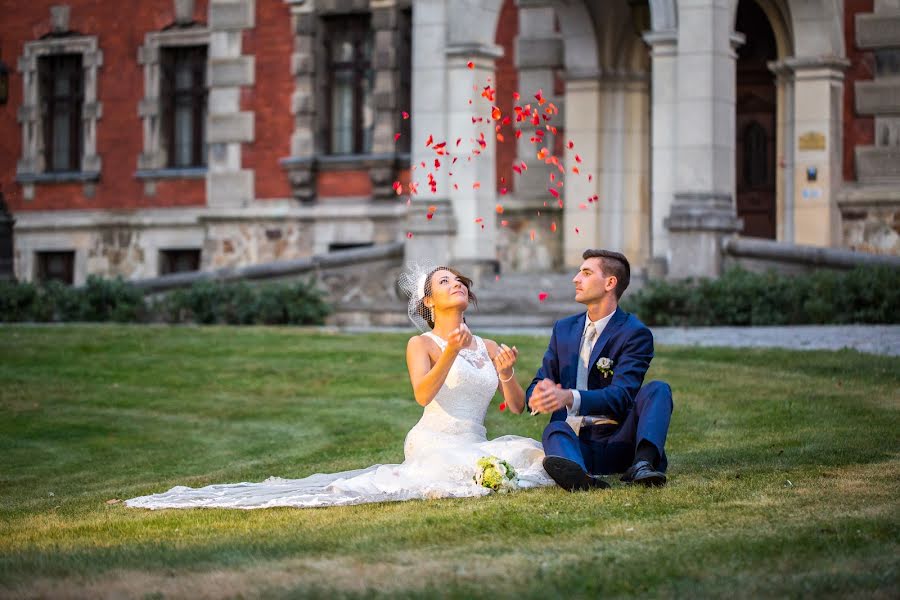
column 271, row 42
column 120, row 87
column 859, row 130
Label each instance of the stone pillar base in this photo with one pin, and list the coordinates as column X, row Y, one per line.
column 697, row 225
column 430, row 240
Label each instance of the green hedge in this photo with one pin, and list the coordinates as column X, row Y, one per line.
column 299, row 303
column 740, row 297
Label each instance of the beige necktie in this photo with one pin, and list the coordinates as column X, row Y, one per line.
column 581, row 378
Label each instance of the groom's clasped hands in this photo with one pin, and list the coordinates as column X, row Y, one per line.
column 548, row 397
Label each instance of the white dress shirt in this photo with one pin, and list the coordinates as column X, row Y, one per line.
column 600, row 325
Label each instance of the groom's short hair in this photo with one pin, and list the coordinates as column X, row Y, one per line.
column 613, row 263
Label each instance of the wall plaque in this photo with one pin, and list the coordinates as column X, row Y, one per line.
column 811, row 140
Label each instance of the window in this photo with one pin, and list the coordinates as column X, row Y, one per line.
column 55, row 266
column 183, row 105
column 349, row 85
column 178, row 261
column 61, row 97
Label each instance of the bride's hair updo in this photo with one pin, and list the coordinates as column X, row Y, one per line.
column 425, row 312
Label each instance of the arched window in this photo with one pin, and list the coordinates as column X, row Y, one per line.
column 756, row 159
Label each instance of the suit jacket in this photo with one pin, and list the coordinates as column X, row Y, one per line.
column 625, row 340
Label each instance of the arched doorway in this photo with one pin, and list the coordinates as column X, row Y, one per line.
column 755, row 123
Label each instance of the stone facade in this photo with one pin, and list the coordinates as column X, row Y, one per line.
column 646, row 94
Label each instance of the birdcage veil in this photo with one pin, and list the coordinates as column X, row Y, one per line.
column 412, row 281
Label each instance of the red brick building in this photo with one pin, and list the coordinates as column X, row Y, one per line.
column 143, row 137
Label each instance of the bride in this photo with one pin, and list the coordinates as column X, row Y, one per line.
column 454, row 375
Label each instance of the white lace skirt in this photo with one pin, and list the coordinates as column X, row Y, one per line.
column 440, row 463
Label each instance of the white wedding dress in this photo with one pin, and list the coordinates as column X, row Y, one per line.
column 441, row 452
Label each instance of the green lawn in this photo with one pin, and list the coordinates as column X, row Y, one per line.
column 784, row 477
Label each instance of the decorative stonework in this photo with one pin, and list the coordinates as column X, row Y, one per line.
column 227, row 126
column 31, row 168
column 154, row 157
column 386, row 158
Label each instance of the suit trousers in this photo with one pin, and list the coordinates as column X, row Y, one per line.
column 601, row 451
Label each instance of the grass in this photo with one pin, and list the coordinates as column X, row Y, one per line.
column 783, row 479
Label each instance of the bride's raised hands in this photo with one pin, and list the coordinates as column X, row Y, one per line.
column 504, row 359
column 459, row 339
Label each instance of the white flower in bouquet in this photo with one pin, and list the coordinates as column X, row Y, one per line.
column 495, row 474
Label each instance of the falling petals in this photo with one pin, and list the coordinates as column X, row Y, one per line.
column 577, row 231
column 542, row 296
column 577, row 158
column 553, row 192
column 496, row 114
column 398, row 187
column 409, row 235
column 571, row 144
column 503, row 191
column 470, row 64
column 429, row 141
column 396, row 136
column 542, row 153
column 405, row 115
column 553, row 227
column 476, row 185
column 499, row 209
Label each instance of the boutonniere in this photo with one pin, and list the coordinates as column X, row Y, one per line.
column 604, row 365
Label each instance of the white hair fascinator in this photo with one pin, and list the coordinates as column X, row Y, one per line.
column 412, row 282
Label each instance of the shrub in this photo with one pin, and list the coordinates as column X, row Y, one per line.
column 297, row 303
column 740, row 297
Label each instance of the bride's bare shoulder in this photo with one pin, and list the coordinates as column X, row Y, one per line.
column 420, row 342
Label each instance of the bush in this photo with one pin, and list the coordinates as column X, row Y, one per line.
column 299, row 303
column 740, row 297
column 241, row 304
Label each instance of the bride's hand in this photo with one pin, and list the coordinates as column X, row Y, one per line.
column 505, row 360
column 459, row 338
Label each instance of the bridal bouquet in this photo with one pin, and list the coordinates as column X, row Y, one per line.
column 495, row 474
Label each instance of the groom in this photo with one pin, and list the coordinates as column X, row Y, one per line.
column 602, row 421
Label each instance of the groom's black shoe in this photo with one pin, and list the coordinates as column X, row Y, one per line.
column 643, row 473
column 570, row 476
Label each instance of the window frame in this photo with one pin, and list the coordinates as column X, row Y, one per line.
column 197, row 58
column 360, row 27
column 153, row 162
column 40, row 265
column 52, row 68
column 32, row 167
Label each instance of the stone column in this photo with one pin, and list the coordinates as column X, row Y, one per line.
column 387, row 56
column 227, row 126
column 432, row 239
column 703, row 210
column 301, row 163
column 583, row 128
column 444, row 42
column 476, row 241
column 817, row 173
column 663, row 129
column 527, row 243
column 784, row 179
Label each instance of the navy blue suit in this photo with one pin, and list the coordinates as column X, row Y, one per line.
column 643, row 413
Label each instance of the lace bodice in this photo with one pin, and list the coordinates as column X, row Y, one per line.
column 469, row 386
